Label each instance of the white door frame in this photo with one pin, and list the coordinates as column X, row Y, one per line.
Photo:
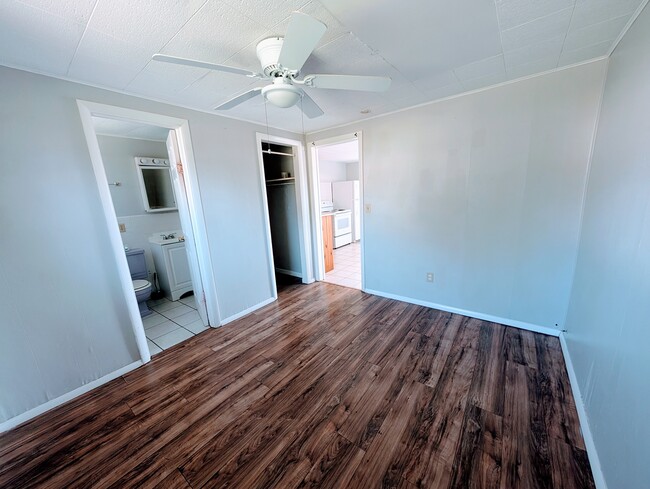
column 317, row 228
column 302, row 205
column 181, row 126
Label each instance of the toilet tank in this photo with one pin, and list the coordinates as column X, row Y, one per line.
column 137, row 264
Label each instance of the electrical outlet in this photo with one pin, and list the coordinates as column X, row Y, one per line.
column 368, row 208
column 122, row 227
column 429, row 276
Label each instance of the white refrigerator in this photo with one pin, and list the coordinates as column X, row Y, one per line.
column 345, row 195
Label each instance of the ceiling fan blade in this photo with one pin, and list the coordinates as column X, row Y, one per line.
column 203, row 64
column 309, row 107
column 301, row 38
column 239, row 99
column 349, row 82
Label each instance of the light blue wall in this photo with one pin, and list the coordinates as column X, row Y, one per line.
column 485, row 191
column 64, row 317
column 609, row 315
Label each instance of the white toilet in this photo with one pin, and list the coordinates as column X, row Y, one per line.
column 139, row 275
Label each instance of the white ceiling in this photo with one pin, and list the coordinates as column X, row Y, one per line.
column 431, row 49
column 133, row 130
column 347, row 152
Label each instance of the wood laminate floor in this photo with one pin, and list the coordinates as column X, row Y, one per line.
column 329, row 388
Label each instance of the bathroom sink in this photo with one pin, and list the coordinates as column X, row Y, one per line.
column 166, row 238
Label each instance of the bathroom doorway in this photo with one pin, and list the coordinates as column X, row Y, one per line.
column 336, row 183
column 144, row 169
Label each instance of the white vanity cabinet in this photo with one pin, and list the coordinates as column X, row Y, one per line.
column 170, row 260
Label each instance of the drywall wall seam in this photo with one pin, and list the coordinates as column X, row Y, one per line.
column 584, row 191
column 592, row 453
column 464, row 312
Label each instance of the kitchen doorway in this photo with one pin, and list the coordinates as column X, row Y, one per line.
column 336, row 176
column 163, row 186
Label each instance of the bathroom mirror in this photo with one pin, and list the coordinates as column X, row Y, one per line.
column 155, row 184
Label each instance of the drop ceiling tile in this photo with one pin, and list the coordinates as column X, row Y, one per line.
column 423, row 38
column 484, row 81
column 526, row 69
column 36, row 39
column 538, row 30
column 214, row 34
column 517, row 12
column 146, row 22
column 594, row 34
column 534, row 52
column 149, row 132
column 482, row 68
column 107, row 61
column 153, row 84
column 590, row 52
column 446, row 91
column 436, row 80
column 348, row 55
column 76, row 10
column 105, row 48
column 220, row 87
column 268, row 13
column 588, row 12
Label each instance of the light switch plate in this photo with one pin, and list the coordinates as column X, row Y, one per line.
column 368, row 208
column 122, row 227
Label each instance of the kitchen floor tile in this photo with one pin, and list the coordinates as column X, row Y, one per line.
column 173, row 338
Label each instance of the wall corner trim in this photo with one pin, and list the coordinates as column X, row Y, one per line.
column 592, row 454
column 68, row 396
column 463, row 312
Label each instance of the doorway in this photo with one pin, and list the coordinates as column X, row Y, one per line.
column 284, row 188
column 336, row 178
column 145, row 171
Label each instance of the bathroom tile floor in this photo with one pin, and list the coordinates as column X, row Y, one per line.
column 347, row 266
column 171, row 322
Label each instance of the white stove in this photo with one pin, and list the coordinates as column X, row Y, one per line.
column 342, row 223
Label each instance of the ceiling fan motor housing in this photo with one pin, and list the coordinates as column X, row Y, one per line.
column 268, row 52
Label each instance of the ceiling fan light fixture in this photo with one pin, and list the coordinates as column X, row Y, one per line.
column 282, row 94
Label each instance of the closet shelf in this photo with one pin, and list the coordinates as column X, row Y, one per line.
column 270, row 152
column 280, row 181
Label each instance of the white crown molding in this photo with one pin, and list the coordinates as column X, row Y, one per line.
column 627, row 27
column 461, row 94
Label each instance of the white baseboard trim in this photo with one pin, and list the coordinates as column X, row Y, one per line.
column 52, row 403
column 594, row 461
column 485, row 317
column 243, row 313
column 291, row 273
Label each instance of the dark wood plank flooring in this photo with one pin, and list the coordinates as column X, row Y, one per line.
column 329, row 388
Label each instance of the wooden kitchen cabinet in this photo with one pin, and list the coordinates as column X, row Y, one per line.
column 328, row 243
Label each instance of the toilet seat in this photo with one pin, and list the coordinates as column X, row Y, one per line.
column 139, row 285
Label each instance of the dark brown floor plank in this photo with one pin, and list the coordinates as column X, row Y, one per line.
column 328, row 387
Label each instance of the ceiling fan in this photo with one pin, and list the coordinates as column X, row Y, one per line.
column 281, row 59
